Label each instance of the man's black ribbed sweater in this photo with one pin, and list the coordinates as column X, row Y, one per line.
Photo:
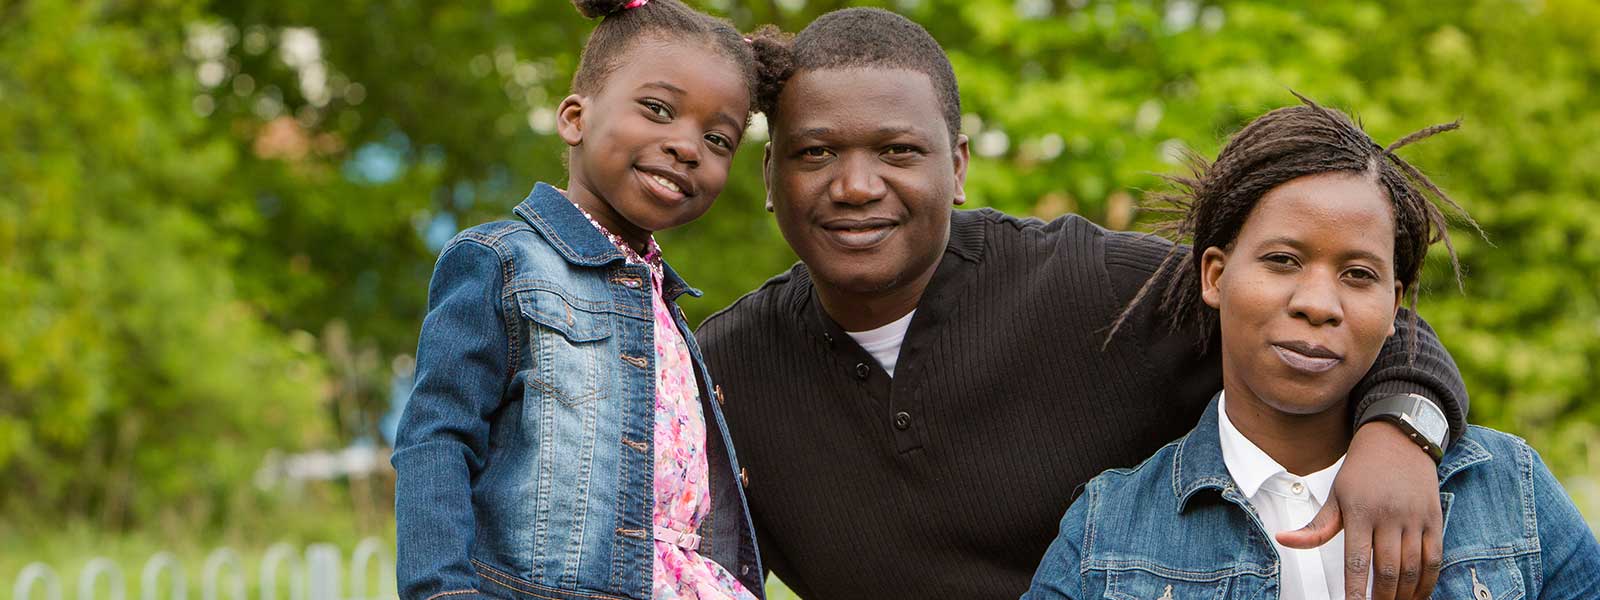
column 949, row 479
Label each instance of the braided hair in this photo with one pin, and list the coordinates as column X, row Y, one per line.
column 624, row 22
column 1214, row 200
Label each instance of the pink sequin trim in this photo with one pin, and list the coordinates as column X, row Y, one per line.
column 635, row 4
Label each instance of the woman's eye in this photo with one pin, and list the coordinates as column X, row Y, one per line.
column 1281, row 259
column 1362, row 274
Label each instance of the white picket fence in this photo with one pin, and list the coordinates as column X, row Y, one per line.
column 312, row 575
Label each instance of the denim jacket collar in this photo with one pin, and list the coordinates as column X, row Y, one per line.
column 550, row 213
column 1198, row 463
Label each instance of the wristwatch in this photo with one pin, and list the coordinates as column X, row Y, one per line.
column 1415, row 415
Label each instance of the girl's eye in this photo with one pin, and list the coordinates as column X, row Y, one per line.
column 658, row 108
column 719, row 140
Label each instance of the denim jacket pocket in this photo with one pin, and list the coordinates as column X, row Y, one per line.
column 1139, row 584
column 1481, row 579
column 567, row 344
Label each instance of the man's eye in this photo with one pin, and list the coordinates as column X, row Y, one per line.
column 899, row 149
column 814, row 152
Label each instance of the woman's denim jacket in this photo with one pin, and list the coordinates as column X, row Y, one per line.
column 525, row 457
column 1177, row 528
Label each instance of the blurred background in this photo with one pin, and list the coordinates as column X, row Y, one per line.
column 218, row 219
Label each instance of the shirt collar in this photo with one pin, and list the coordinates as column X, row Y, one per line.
column 1251, row 467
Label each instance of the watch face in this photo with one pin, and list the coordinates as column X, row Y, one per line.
column 1430, row 422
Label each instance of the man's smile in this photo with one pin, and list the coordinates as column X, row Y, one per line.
column 858, row 234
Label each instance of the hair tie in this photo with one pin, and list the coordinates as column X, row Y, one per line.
column 635, row 4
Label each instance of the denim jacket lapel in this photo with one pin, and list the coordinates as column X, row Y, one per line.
column 549, row 212
column 1198, row 464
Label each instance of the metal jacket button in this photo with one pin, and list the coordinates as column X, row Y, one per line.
column 744, row 477
column 718, row 389
column 862, row 370
column 902, row 420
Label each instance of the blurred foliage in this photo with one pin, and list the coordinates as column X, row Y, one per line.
column 219, row 218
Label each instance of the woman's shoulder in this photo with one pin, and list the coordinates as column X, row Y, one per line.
column 1139, row 481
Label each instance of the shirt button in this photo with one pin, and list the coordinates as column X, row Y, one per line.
column 862, row 370
column 1298, row 488
column 902, row 420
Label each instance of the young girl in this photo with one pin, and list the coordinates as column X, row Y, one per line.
column 556, row 444
column 1307, row 236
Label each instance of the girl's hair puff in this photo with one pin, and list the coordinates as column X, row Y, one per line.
column 621, row 27
column 1214, row 200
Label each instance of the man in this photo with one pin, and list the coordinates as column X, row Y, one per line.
column 916, row 402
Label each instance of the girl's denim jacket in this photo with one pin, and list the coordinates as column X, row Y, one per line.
column 526, row 456
column 1177, row 528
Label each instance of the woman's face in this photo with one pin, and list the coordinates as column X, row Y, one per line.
column 1306, row 291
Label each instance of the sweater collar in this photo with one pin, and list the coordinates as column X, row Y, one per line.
column 967, row 241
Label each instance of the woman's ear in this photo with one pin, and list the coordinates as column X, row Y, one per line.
column 569, row 119
column 1211, row 264
column 1399, row 295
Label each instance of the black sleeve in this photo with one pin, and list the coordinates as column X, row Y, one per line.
column 1424, row 367
column 1193, row 372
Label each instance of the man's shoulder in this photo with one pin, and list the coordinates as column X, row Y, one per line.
column 1004, row 222
column 775, row 300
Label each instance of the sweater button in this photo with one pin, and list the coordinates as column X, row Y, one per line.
column 862, row 371
column 902, row 420
column 828, row 337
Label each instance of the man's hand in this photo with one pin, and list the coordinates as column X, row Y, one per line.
column 1386, row 498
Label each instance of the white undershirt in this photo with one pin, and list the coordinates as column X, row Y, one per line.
column 1286, row 502
column 884, row 342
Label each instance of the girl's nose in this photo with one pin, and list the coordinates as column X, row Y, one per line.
column 683, row 150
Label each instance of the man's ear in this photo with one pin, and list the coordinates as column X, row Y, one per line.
column 766, row 173
column 1399, row 296
column 569, row 119
column 1211, row 264
column 961, row 155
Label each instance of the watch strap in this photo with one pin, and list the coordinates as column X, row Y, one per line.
column 1418, row 417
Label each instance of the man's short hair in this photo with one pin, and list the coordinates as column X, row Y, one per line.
column 870, row 38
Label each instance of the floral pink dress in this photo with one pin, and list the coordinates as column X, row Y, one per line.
column 682, row 491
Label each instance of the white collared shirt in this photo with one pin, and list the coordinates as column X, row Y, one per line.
column 884, row 342
column 1286, row 502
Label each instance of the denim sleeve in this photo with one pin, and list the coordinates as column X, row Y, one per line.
column 1060, row 573
column 1568, row 553
column 443, row 438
